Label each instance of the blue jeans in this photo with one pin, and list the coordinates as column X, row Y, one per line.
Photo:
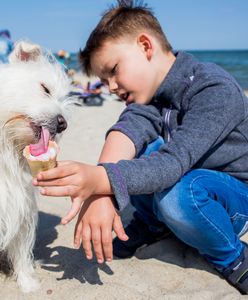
column 206, row 209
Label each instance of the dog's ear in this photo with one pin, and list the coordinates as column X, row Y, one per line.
column 24, row 51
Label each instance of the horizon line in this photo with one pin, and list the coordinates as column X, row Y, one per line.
column 181, row 49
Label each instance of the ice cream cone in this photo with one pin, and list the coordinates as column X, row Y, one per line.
column 42, row 162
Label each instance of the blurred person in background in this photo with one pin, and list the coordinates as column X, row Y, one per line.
column 6, row 45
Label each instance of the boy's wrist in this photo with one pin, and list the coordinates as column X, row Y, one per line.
column 103, row 186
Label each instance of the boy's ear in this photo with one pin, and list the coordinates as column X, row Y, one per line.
column 145, row 42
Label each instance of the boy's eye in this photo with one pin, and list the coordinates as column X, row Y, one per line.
column 113, row 71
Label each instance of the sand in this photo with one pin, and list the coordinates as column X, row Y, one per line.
column 165, row 270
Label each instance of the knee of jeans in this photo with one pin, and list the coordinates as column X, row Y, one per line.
column 179, row 203
column 171, row 207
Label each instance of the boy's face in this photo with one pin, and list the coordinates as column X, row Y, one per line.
column 125, row 66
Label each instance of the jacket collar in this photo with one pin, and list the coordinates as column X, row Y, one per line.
column 177, row 79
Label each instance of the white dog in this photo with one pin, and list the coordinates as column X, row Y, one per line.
column 33, row 94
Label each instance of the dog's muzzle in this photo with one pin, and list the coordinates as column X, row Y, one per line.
column 55, row 125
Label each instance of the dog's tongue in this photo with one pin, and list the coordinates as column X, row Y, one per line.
column 42, row 145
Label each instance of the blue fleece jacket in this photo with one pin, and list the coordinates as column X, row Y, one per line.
column 203, row 114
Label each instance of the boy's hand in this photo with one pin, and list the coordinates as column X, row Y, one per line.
column 96, row 220
column 76, row 180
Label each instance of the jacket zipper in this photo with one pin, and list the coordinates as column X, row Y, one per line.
column 167, row 123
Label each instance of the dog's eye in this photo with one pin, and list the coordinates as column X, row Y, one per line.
column 46, row 90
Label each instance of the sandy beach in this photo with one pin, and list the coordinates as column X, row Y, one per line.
column 165, row 270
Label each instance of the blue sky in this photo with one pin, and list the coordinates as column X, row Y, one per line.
column 188, row 24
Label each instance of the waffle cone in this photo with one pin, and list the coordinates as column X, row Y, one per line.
column 37, row 166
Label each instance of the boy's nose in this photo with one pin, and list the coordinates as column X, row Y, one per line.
column 113, row 87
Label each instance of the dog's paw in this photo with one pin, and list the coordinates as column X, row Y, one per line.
column 27, row 283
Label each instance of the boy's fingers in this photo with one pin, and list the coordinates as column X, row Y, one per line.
column 97, row 243
column 107, row 243
column 58, row 191
column 86, row 241
column 51, row 174
column 75, row 208
column 55, row 182
column 118, row 229
column 77, row 234
column 64, row 163
column 62, row 170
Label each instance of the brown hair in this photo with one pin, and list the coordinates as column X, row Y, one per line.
column 126, row 18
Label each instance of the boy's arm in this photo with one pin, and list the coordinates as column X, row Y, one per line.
column 98, row 216
column 117, row 146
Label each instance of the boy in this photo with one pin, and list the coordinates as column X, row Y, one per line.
column 179, row 149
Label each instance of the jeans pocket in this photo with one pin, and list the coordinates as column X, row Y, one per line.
column 240, row 224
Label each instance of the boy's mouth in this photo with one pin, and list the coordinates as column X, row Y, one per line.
column 124, row 96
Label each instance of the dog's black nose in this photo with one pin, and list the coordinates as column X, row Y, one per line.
column 62, row 124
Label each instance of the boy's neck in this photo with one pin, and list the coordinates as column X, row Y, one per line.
column 165, row 62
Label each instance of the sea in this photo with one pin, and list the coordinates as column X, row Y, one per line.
column 233, row 61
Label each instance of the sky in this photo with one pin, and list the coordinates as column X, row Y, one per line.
column 188, row 24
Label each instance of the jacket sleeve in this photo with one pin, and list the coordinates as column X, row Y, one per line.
column 141, row 123
column 212, row 114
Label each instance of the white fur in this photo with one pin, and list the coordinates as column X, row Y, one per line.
column 21, row 94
